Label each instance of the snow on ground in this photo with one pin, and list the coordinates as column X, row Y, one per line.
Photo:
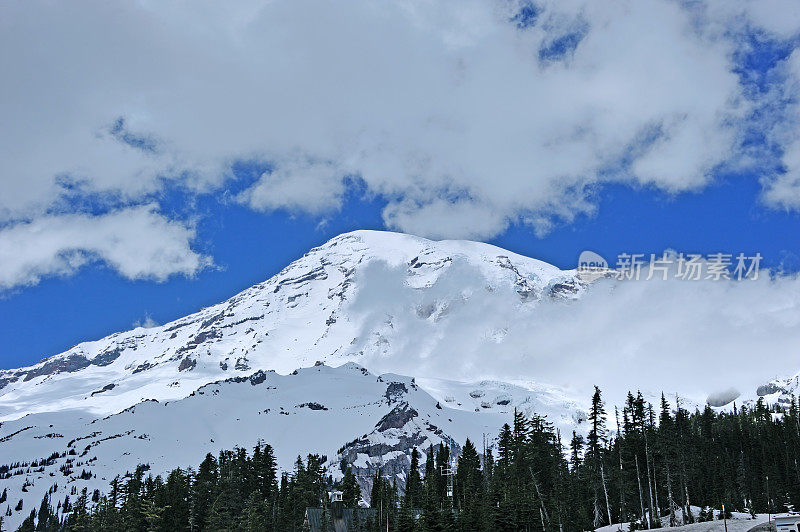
column 739, row 523
column 710, row 526
column 565, row 413
column 312, row 410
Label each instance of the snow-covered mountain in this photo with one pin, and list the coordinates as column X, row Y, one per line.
column 227, row 375
column 365, row 296
column 364, row 304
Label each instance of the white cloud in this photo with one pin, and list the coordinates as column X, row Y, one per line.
column 779, row 18
column 137, row 242
column 313, row 187
column 443, row 218
column 783, row 189
column 423, row 100
column 147, row 322
column 695, row 338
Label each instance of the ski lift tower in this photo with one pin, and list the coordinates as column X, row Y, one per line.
column 447, row 472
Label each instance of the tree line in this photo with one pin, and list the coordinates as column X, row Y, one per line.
column 658, row 466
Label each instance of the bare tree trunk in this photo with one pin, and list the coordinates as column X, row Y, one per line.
column 649, row 479
column 597, row 519
column 672, row 520
column 621, row 475
column 687, row 508
column 621, row 490
column 688, row 504
column 605, row 491
column 641, row 497
column 543, row 509
column 655, row 488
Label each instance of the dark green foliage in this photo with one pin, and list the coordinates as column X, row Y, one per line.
column 650, row 470
column 414, row 488
column 231, row 492
column 705, row 459
column 384, row 499
column 351, row 492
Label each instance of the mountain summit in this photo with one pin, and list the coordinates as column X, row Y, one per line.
column 258, row 367
column 381, row 299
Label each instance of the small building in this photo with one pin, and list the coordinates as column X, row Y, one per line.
column 787, row 522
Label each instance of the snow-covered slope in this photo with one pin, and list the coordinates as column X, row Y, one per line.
column 367, row 296
column 225, row 376
column 345, row 413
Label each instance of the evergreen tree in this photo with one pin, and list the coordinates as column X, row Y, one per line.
column 414, row 487
column 28, row 524
column 202, row 492
column 469, row 492
column 256, row 514
column 526, row 483
column 351, row 492
column 595, row 440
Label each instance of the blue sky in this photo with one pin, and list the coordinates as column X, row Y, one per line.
column 185, row 154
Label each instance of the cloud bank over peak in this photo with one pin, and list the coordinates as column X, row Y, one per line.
column 674, row 335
